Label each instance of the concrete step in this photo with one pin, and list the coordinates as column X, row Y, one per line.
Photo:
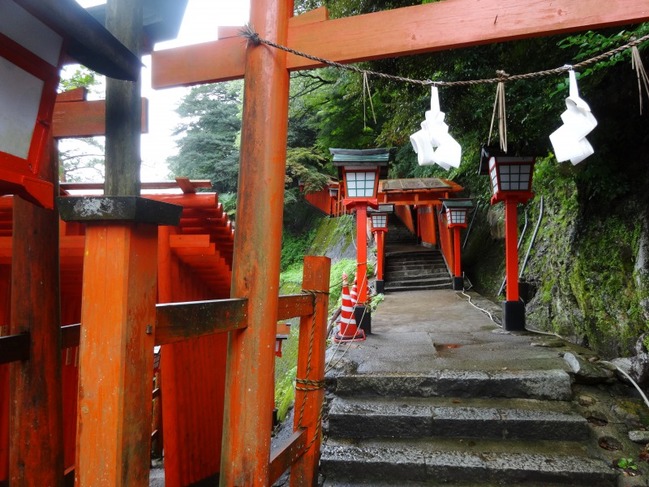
column 457, row 462
column 551, row 384
column 521, row 419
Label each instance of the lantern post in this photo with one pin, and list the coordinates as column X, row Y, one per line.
column 379, row 220
column 511, row 182
column 333, row 195
column 456, row 211
column 360, row 170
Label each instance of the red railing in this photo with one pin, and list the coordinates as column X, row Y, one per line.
column 176, row 322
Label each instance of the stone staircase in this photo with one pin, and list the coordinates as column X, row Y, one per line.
column 410, row 266
column 459, row 428
column 408, row 270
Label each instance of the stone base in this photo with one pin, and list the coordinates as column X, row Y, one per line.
column 514, row 316
column 380, row 286
column 458, row 284
column 363, row 317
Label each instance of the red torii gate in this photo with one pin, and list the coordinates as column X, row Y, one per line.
column 437, row 26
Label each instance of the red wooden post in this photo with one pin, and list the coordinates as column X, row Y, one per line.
column 511, row 249
column 117, row 337
column 361, row 252
column 380, row 254
column 457, row 253
column 309, row 387
column 257, row 241
column 35, row 416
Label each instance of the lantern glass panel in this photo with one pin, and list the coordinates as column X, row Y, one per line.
column 493, row 174
column 21, row 77
column 23, row 28
column 20, row 98
column 456, row 216
column 360, row 184
column 379, row 221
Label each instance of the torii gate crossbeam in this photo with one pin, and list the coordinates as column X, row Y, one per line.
column 432, row 27
column 448, row 24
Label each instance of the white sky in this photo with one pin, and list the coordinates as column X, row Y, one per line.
column 200, row 23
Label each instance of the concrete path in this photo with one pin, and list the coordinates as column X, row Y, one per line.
column 425, row 331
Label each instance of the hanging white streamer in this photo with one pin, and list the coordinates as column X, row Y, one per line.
column 433, row 144
column 569, row 141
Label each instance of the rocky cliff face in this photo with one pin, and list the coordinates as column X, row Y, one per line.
column 588, row 269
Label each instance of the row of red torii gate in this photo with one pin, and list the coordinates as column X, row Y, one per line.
column 135, row 257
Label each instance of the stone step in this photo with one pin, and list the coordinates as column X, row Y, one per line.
column 521, row 419
column 462, row 462
column 553, row 384
column 398, row 264
column 413, row 254
column 407, row 274
column 421, row 282
column 424, row 287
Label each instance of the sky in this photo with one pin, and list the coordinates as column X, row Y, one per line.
column 200, row 23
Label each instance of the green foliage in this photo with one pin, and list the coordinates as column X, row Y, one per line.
column 627, row 463
column 306, row 165
column 294, row 248
column 81, row 77
column 229, row 202
column 209, row 147
column 333, row 230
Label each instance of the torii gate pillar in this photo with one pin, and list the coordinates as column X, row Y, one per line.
column 257, row 247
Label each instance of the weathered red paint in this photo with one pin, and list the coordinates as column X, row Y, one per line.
column 380, row 253
column 35, row 415
column 426, row 218
column 511, row 249
column 116, row 355
column 361, row 252
column 457, row 252
column 246, row 444
column 311, row 367
column 404, row 31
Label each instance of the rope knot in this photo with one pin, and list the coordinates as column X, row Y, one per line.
column 249, row 33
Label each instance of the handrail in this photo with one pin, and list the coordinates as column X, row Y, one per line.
column 536, row 231
column 187, row 320
column 468, row 230
column 174, row 322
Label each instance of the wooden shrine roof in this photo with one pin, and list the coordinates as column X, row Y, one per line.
column 416, row 191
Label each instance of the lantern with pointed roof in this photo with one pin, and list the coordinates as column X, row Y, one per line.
column 36, row 36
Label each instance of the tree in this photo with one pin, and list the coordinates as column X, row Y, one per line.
column 81, row 159
column 209, row 147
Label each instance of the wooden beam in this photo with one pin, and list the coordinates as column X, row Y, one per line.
column 36, row 411
column 181, row 321
column 294, row 305
column 116, row 359
column 87, row 118
column 448, row 24
column 285, row 454
column 311, row 371
column 251, row 357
